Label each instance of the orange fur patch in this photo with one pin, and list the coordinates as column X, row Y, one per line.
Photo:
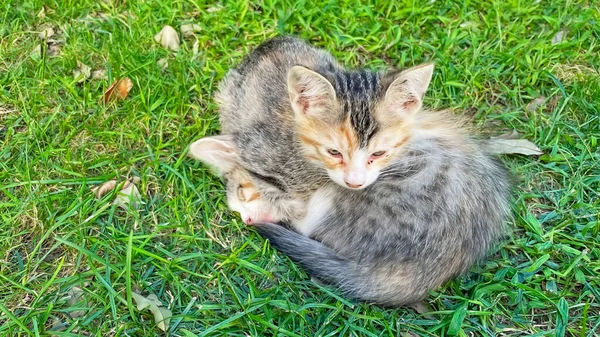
column 313, row 134
column 254, row 196
column 247, row 185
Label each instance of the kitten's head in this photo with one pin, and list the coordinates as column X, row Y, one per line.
column 220, row 153
column 355, row 124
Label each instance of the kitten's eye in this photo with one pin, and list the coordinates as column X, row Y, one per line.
column 240, row 194
column 334, row 152
column 378, row 153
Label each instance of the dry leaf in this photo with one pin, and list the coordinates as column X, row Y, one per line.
column 118, row 90
column 98, row 74
column 189, row 29
column 168, row 38
column 104, row 189
column 535, row 104
column 559, row 37
column 163, row 63
column 58, row 324
column 82, row 73
column 75, row 296
column 128, row 197
column 53, row 48
column 36, row 53
column 46, row 33
column 512, row 146
column 162, row 315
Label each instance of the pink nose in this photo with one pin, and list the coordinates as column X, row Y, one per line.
column 353, row 185
column 248, row 221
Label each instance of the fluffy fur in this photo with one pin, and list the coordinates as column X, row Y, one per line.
column 438, row 201
column 312, row 122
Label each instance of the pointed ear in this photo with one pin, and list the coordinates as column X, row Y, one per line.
column 311, row 94
column 405, row 94
column 218, row 152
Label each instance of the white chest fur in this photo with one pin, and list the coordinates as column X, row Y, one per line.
column 319, row 207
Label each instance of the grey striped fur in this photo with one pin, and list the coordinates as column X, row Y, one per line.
column 430, row 215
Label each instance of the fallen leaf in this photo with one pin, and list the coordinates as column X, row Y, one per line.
column 53, row 48
column 82, row 72
column 118, row 90
column 512, row 146
column 168, row 38
column 75, row 296
column 58, row 324
column 162, row 315
column 559, row 37
column 98, row 74
column 189, row 29
column 128, row 197
column 36, row 53
column 535, row 104
column 104, row 189
column 163, row 63
column 46, row 33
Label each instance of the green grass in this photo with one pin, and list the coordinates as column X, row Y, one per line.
column 218, row 277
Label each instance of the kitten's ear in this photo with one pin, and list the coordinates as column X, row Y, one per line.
column 405, row 94
column 311, row 94
column 218, row 152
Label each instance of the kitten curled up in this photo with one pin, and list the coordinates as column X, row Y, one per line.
column 386, row 200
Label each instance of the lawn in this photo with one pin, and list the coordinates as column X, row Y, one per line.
column 69, row 261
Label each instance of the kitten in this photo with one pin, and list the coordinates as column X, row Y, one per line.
column 430, row 203
column 243, row 195
column 311, row 122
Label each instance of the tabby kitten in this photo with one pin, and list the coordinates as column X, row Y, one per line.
column 302, row 121
column 430, row 203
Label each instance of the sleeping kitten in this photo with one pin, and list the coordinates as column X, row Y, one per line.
column 415, row 201
column 242, row 193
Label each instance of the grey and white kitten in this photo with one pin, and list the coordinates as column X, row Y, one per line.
column 396, row 200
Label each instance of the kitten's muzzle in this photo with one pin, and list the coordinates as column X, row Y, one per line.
column 353, row 185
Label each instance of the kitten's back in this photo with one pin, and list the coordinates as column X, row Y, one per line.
column 258, row 85
column 254, row 107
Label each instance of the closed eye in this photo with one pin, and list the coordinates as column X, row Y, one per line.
column 334, row 153
column 378, row 154
column 240, row 194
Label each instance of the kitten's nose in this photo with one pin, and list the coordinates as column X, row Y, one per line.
column 353, row 185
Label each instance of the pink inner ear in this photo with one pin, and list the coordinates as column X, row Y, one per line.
column 410, row 103
column 304, row 102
